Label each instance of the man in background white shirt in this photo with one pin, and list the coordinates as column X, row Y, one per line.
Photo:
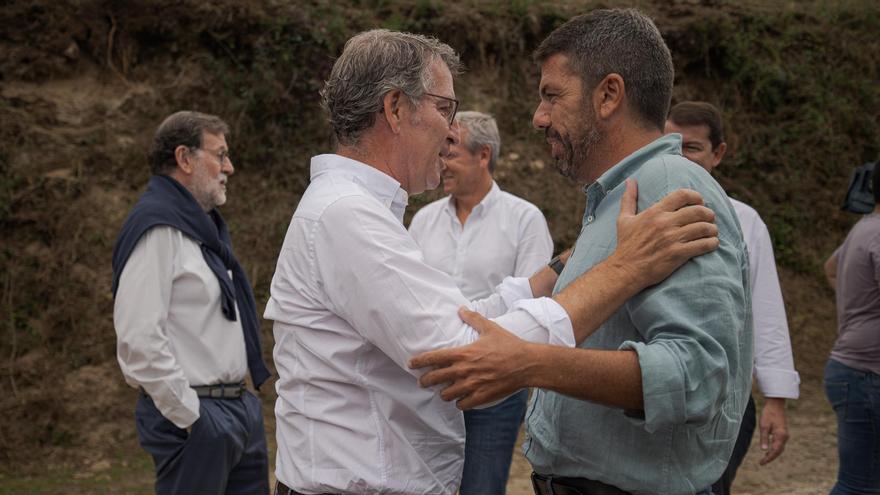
column 702, row 132
column 186, row 323
column 479, row 235
column 353, row 300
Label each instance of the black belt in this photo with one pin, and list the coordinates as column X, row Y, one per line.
column 221, row 390
column 558, row 485
column 282, row 489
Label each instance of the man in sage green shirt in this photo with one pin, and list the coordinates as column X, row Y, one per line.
column 651, row 402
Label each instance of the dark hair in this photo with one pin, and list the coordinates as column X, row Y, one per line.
column 182, row 128
column 618, row 41
column 689, row 113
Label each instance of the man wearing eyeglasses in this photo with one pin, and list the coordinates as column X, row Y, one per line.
column 352, row 298
column 186, row 322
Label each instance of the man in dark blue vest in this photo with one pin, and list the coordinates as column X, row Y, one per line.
column 186, row 320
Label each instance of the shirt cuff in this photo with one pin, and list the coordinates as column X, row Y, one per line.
column 776, row 382
column 550, row 315
column 183, row 411
column 513, row 289
column 662, row 391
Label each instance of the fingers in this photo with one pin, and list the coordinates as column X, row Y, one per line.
column 438, row 376
column 439, row 358
column 692, row 214
column 694, row 231
column 773, row 439
column 474, row 319
column 678, row 199
column 629, row 202
column 692, row 249
column 776, row 448
column 765, row 438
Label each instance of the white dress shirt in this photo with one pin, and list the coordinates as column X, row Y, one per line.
column 171, row 332
column 503, row 236
column 353, row 301
column 774, row 366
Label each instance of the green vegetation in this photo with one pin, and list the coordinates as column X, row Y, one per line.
column 84, row 84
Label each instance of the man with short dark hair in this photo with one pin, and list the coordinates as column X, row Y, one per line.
column 702, row 134
column 352, row 298
column 186, row 322
column 479, row 235
column 651, row 401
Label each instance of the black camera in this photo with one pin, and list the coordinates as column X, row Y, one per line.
column 860, row 195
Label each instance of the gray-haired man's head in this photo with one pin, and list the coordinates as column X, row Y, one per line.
column 372, row 64
column 480, row 130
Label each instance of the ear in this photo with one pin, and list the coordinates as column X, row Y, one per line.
column 185, row 159
column 718, row 153
column 608, row 95
column 393, row 109
column 485, row 156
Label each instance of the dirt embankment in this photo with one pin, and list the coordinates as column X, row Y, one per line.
column 83, row 84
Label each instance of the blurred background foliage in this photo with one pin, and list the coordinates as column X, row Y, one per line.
column 84, row 83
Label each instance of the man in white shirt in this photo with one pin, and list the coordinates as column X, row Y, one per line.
column 352, row 298
column 186, row 323
column 702, row 132
column 479, row 235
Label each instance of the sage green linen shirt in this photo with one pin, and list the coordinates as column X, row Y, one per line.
column 693, row 336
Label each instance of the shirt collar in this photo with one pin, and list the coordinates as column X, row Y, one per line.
column 486, row 202
column 613, row 177
column 381, row 185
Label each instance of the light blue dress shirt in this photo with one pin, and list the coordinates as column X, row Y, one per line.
column 693, row 336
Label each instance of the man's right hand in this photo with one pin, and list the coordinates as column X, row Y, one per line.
column 654, row 243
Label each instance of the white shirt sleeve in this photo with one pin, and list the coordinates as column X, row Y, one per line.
column 774, row 366
column 386, row 291
column 139, row 315
column 535, row 246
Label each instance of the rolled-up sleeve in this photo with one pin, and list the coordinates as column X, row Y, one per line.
column 693, row 329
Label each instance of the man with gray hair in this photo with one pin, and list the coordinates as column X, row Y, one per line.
column 478, row 236
column 352, row 298
column 186, row 322
column 652, row 401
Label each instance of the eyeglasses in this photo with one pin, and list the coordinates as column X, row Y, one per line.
column 448, row 109
column 221, row 155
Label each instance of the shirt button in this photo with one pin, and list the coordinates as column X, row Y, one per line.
column 590, row 219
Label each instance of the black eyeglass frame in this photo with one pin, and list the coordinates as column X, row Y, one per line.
column 455, row 104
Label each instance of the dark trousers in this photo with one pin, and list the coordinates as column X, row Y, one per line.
column 743, row 440
column 225, row 454
column 855, row 396
column 489, row 442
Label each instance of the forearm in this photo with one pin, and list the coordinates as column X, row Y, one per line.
column 597, row 294
column 611, row 378
column 542, row 282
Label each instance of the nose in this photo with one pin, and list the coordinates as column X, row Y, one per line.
column 227, row 167
column 541, row 118
column 454, row 133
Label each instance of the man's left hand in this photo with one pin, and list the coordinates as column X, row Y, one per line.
column 774, row 431
column 492, row 368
